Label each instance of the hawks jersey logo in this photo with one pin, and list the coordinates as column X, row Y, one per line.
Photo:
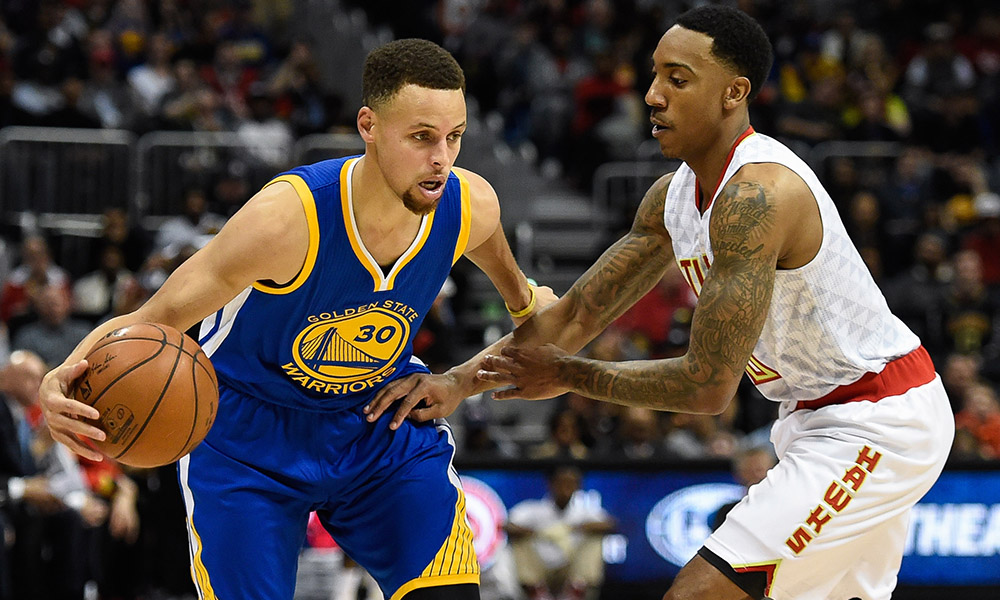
column 352, row 351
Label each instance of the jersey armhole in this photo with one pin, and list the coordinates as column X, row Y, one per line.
column 309, row 205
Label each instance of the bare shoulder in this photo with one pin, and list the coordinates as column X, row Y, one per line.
column 773, row 202
column 783, row 186
column 484, row 204
column 274, row 230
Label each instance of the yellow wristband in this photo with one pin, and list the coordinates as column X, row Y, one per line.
column 517, row 314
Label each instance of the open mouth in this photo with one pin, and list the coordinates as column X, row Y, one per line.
column 431, row 185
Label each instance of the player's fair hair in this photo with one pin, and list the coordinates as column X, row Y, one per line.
column 421, row 62
column 738, row 41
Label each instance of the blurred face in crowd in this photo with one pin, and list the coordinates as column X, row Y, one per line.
column 21, row 377
column 563, row 484
column 53, row 305
column 415, row 138
column 36, row 255
column 687, row 93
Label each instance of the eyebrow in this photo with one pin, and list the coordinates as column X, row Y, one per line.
column 429, row 126
column 671, row 65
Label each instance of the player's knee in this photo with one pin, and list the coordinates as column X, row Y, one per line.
column 464, row 591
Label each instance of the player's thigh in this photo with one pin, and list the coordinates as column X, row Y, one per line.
column 874, row 576
column 245, row 529
column 408, row 530
column 699, row 580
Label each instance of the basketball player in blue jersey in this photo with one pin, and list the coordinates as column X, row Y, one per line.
column 309, row 299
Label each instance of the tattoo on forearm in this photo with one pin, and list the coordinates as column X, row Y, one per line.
column 631, row 267
column 730, row 315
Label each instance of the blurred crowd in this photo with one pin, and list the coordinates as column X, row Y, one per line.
column 567, row 78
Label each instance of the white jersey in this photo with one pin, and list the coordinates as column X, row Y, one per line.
column 828, row 323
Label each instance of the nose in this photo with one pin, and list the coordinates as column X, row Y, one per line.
column 654, row 97
column 439, row 155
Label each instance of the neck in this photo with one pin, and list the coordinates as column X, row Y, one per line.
column 709, row 164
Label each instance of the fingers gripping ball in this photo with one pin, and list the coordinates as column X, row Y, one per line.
column 156, row 391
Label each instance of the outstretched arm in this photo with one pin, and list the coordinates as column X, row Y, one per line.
column 746, row 241
column 623, row 275
column 266, row 240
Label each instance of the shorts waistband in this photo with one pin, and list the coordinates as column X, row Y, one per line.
column 899, row 376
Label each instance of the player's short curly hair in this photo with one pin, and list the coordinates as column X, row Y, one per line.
column 738, row 41
column 421, row 62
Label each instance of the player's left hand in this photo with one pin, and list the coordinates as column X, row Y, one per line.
column 534, row 372
column 440, row 395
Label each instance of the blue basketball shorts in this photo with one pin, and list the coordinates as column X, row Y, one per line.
column 391, row 499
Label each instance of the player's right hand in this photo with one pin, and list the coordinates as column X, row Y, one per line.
column 64, row 415
column 439, row 393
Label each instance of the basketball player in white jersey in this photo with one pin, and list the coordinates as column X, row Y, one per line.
column 864, row 424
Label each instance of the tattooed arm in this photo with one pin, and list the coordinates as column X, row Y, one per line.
column 623, row 275
column 747, row 239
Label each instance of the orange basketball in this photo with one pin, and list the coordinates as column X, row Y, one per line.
column 156, row 391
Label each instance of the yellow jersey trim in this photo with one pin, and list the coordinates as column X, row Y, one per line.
column 309, row 205
column 198, row 571
column 347, row 207
column 382, row 282
column 463, row 233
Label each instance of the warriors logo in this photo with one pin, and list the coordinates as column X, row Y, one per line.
column 349, row 352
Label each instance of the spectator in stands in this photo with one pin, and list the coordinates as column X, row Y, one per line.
column 639, row 436
column 96, row 294
column 45, row 559
column 650, row 320
column 300, row 95
column 980, row 416
column 959, row 373
column 984, row 238
column 151, row 81
column 939, row 88
column 118, row 230
column 556, row 540
column 915, row 294
column 267, row 137
column 70, row 112
column 230, row 78
column 180, row 105
column 971, row 313
column 818, row 118
column 55, row 335
column 565, row 438
column 231, row 190
column 26, row 281
column 104, row 98
column 190, row 230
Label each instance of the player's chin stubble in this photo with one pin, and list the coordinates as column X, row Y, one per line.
column 415, row 206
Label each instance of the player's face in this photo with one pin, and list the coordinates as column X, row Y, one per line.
column 685, row 97
column 418, row 136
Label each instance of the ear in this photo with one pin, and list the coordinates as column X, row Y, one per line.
column 366, row 123
column 737, row 92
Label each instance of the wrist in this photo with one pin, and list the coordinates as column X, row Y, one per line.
column 527, row 308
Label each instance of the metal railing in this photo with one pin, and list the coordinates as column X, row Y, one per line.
column 65, row 171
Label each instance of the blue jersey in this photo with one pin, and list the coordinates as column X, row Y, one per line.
column 344, row 327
